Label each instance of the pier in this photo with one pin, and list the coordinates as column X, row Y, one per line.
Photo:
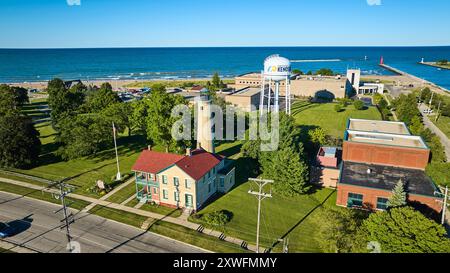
column 402, row 73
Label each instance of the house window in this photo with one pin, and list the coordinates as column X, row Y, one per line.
column 154, row 191
column 165, row 195
column 176, row 196
column 209, row 187
column 382, row 203
column 222, row 182
column 176, row 181
column 164, row 179
column 187, row 183
column 355, row 200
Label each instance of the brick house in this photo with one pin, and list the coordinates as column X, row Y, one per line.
column 376, row 156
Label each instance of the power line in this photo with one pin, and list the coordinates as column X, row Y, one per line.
column 68, row 218
column 261, row 196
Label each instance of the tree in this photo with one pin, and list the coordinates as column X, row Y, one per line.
column 416, row 126
column 286, row 166
column 338, row 108
column 138, row 117
column 101, row 99
column 403, row 230
column 62, row 101
column 19, row 141
column 297, row 72
column 159, row 120
column 318, row 136
column 398, row 197
column 407, row 108
column 325, row 72
column 377, row 98
column 12, row 97
column 289, row 172
column 120, row 114
column 337, row 229
column 359, row 105
column 383, row 104
column 84, row 135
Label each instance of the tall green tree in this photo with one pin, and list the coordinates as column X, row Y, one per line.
column 403, row 230
column 407, row 108
column 84, row 135
column 63, row 102
column 101, row 99
column 398, row 197
column 159, row 119
column 19, row 141
column 121, row 115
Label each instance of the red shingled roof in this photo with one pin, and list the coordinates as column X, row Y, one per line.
column 196, row 165
column 154, row 162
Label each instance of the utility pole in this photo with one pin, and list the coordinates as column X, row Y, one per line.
column 437, row 113
column 261, row 196
column 118, row 176
column 68, row 218
column 430, row 104
column 444, row 207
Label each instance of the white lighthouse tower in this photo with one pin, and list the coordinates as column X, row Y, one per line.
column 277, row 69
column 205, row 135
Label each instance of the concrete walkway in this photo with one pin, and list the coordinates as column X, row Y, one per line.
column 429, row 124
column 106, row 196
column 151, row 215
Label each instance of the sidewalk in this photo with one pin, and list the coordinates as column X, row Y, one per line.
column 106, row 196
column 429, row 124
column 158, row 217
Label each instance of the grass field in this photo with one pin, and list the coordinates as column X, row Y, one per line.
column 323, row 115
column 44, row 196
column 443, row 123
column 83, row 172
column 170, row 230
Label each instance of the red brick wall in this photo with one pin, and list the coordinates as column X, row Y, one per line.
column 386, row 155
column 371, row 195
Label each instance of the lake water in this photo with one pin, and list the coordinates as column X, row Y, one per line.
column 26, row 65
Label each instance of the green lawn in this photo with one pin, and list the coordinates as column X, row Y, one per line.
column 123, row 194
column 281, row 217
column 2, row 250
column 170, row 230
column 44, row 196
column 443, row 123
column 323, row 115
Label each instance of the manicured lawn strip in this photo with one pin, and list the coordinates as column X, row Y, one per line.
column 192, row 237
column 123, row 194
column 132, row 203
column 119, row 216
column 44, row 196
column 443, row 123
column 311, row 115
column 162, row 210
column 170, row 230
column 22, row 179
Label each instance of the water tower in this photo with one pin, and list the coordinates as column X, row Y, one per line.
column 277, row 69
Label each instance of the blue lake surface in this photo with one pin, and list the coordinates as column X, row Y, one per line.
column 27, row 65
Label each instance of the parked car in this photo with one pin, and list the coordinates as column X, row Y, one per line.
column 5, row 230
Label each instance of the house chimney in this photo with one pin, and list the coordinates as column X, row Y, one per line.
column 188, row 152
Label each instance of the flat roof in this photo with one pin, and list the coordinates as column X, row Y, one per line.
column 378, row 126
column 247, row 92
column 386, row 178
column 386, row 139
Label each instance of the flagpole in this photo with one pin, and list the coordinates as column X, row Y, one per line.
column 118, row 176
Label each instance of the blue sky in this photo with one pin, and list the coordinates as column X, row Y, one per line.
column 159, row 23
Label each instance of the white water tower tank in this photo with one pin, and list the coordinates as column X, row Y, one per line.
column 277, row 68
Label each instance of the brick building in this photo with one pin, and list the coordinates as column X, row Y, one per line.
column 376, row 156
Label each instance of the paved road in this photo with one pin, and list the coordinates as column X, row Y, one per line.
column 38, row 228
column 429, row 124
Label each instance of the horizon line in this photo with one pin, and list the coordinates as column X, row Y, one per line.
column 231, row 46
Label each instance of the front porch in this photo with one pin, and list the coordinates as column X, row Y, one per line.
column 147, row 189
